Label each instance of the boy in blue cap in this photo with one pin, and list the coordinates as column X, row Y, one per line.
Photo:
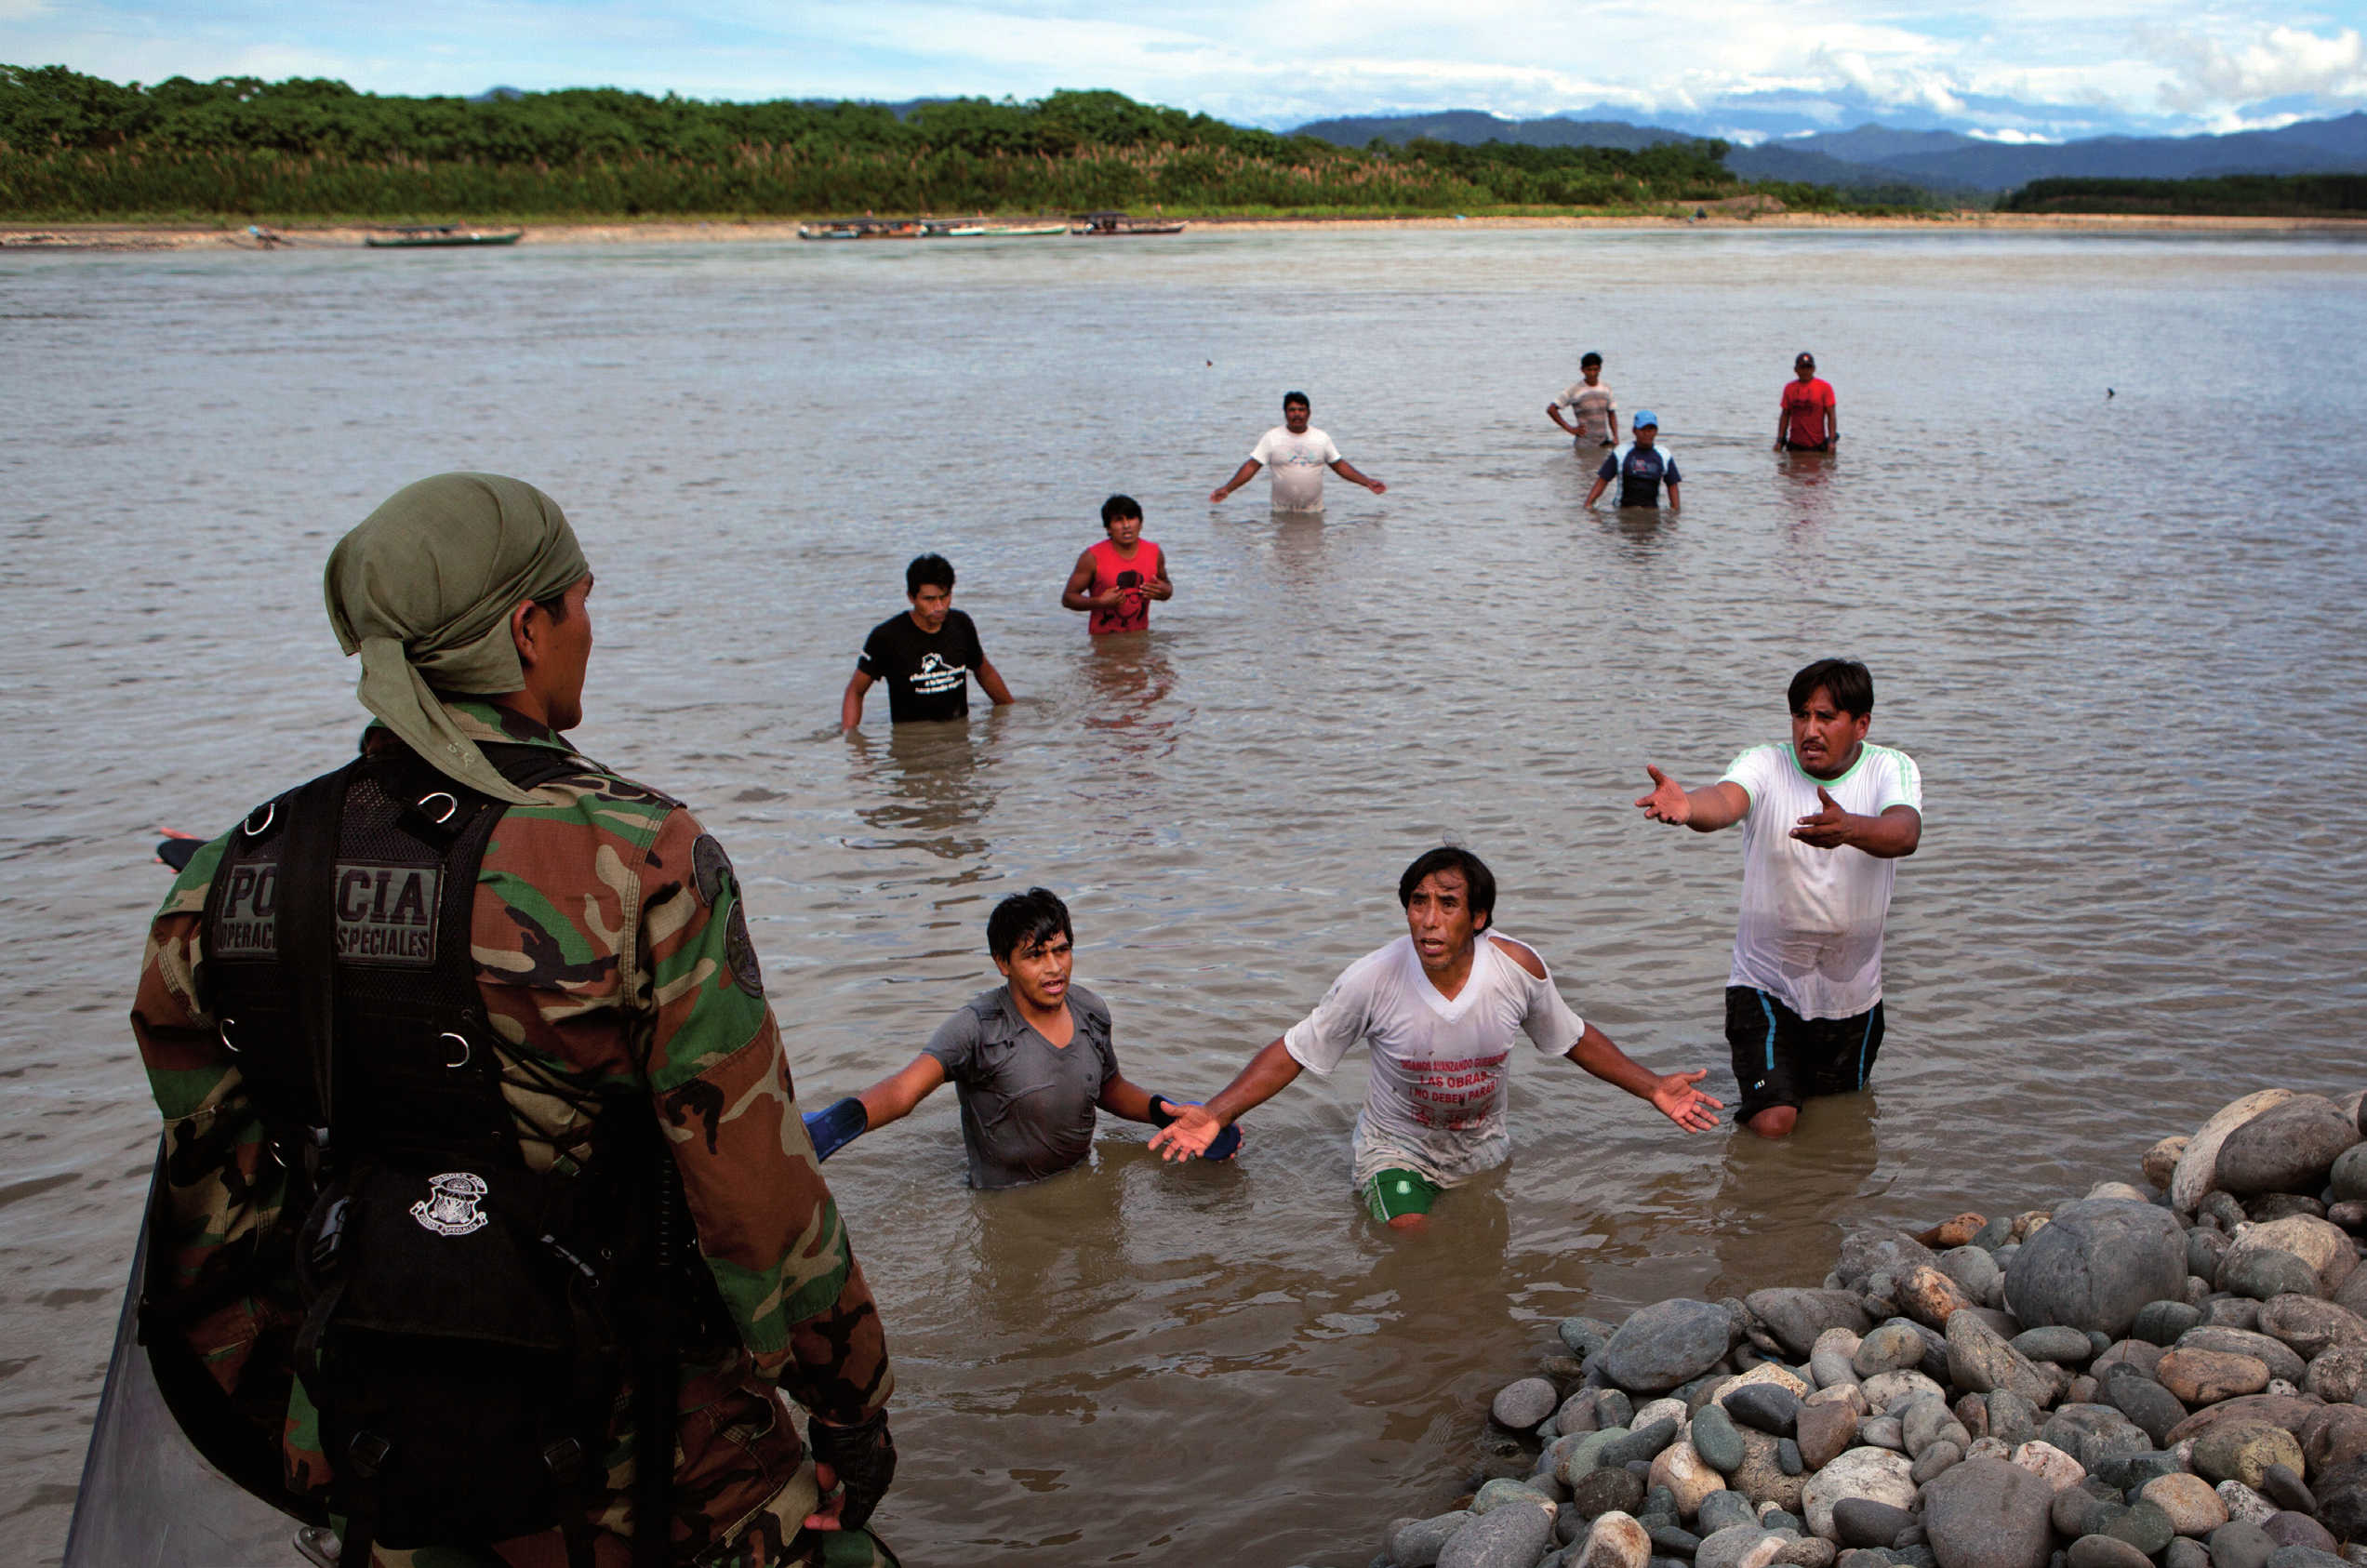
column 1641, row 467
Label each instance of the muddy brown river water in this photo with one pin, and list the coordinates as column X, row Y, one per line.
column 2121, row 636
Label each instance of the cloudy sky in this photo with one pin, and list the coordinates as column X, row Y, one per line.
column 2015, row 69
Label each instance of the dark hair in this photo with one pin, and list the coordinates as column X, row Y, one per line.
column 1026, row 920
column 929, row 571
column 1478, row 883
column 1300, row 398
column 1117, row 507
column 1848, row 682
column 1590, row 357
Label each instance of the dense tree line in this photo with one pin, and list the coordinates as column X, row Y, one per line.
column 75, row 146
column 2229, row 195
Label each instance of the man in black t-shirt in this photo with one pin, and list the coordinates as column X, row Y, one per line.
column 1640, row 468
column 926, row 656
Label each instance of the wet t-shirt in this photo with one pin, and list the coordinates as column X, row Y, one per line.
column 1434, row 1100
column 1803, row 407
column 1639, row 471
column 1296, row 464
column 1027, row 1104
column 1811, row 928
column 1592, row 409
column 928, row 672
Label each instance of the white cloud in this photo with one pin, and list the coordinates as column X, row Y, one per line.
column 2284, row 61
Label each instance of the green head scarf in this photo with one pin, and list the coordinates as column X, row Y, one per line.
column 423, row 591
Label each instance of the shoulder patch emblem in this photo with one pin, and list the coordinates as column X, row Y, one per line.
column 450, row 1207
column 710, row 870
column 740, row 953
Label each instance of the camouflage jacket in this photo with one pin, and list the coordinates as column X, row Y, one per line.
column 607, row 935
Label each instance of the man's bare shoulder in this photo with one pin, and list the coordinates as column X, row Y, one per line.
column 1520, row 954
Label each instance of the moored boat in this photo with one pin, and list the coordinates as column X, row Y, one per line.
column 979, row 229
column 1105, row 225
column 414, row 236
column 861, row 229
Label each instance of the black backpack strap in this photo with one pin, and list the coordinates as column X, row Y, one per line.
column 308, row 933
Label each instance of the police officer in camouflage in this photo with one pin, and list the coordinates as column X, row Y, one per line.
column 614, row 979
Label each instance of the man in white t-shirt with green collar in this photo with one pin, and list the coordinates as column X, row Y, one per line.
column 1824, row 819
column 1436, row 1011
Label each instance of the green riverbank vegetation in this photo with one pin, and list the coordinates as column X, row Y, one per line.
column 2229, row 195
column 77, row 148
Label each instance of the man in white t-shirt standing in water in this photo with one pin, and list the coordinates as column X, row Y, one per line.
column 1823, row 819
column 1298, row 453
column 1437, row 1009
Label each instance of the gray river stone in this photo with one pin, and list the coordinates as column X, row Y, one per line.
column 2287, row 1490
column 1933, row 1462
column 1728, row 1548
column 2128, row 1472
column 2205, row 1247
column 2304, row 1557
column 1861, row 1522
column 2104, row 1551
column 1987, row 1513
column 1876, row 1250
column 2094, row 1433
column 2348, row 1177
column 2145, row 1526
column 1642, row 1444
column 1666, row 1344
column 1583, row 1337
column 1415, row 1543
column 2070, row 1347
column 2185, row 1553
column 1896, row 1345
column 1723, row 1510
column 1715, row 1439
column 1788, row 1457
column 1585, row 1455
column 2154, row 1408
column 2264, row 1273
column 1766, row 1407
column 1979, row 1359
column 1601, row 1492
column 2288, row 1148
column 1795, row 1318
column 2311, row 1327
column 1670, row 1540
column 1513, row 1537
column 1928, row 1421
column 1975, row 1269
column 2161, row 1322
column 2094, row 1264
column 2013, row 1419
column 2290, row 1528
column 2240, row 1543
column 1520, row 1406
column 2342, row 1500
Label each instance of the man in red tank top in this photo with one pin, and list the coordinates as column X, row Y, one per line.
column 1115, row 580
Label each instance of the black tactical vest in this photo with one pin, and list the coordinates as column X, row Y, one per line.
column 465, row 1319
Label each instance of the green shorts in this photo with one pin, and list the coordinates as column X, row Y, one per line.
column 1394, row 1192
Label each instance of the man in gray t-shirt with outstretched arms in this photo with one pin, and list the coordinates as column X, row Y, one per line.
column 1032, row 1060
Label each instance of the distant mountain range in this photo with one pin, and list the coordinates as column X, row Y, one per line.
column 1941, row 161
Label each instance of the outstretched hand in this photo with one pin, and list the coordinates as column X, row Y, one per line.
column 1675, row 1098
column 1188, row 1134
column 1827, row 827
column 1667, row 801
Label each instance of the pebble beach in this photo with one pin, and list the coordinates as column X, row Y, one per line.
column 2171, row 1374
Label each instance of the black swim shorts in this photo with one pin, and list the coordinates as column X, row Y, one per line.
column 1808, row 445
column 1782, row 1058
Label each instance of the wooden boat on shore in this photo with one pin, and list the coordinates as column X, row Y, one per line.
column 979, row 229
column 1109, row 225
column 415, row 236
column 861, row 229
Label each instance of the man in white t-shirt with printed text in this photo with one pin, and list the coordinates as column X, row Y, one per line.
column 1436, row 1010
column 1824, row 820
column 1298, row 453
